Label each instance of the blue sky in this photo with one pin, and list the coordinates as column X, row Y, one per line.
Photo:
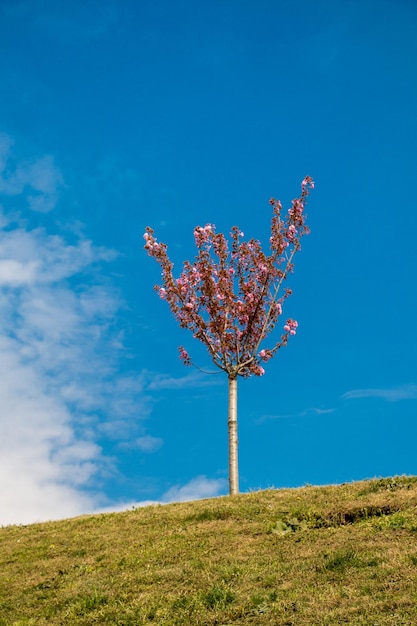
column 118, row 115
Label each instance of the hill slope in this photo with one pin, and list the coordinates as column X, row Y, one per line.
column 296, row 557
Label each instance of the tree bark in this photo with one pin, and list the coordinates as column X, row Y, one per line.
column 233, row 442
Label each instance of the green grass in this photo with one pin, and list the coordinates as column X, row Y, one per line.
column 296, row 557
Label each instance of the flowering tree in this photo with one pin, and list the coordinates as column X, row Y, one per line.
column 231, row 297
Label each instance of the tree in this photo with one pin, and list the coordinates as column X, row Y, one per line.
column 231, row 298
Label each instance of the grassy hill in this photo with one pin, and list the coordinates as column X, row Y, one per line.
column 294, row 557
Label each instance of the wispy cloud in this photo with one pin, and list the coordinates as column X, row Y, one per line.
column 197, row 488
column 391, row 394
column 305, row 413
column 38, row 178
column 60, row 380
column 158, row 382
column 146, row 443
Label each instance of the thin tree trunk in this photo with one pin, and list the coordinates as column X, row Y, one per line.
column 233, row 444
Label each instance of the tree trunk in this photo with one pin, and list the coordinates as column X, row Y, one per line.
column 233, row 444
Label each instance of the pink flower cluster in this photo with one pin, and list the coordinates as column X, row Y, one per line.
column 307, row 182
column 291, row 233
column 202, row 235
column 291, row 326
column 151, row 244
column 184, row 356
column 265, row 355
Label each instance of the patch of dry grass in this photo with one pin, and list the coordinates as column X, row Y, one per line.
column 297, row 557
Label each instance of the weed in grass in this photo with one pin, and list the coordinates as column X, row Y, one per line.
column 259, row 604
column 397, row 521
column 348, row 558
column 217, row 597
column 181, row 603
column 208, row 515
column 287, row 525
column 273, row 596
column 86, row 604
column 270, row 582
column 230, row 573
column 342, row 560
column 79, row 553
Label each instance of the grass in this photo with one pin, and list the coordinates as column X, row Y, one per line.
column 314, row 556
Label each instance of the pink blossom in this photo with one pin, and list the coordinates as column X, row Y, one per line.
column 184, row 356
column 291, row 326
column 162, row 293
column 151, row 244
column 308, row 182
column 182, row 285
column 276, row 204
column 202, row 235
column 258, row 370
column 194, row 277
column 291, row 233
column 265, row 355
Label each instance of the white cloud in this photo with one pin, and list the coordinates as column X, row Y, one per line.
column 198, row 488
column 14, row 272
column 147, row 443
column 40, row 179
column 158, row 382
column 60, row 383
column 42, row 463
column 393, row 394
column 305, row 413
